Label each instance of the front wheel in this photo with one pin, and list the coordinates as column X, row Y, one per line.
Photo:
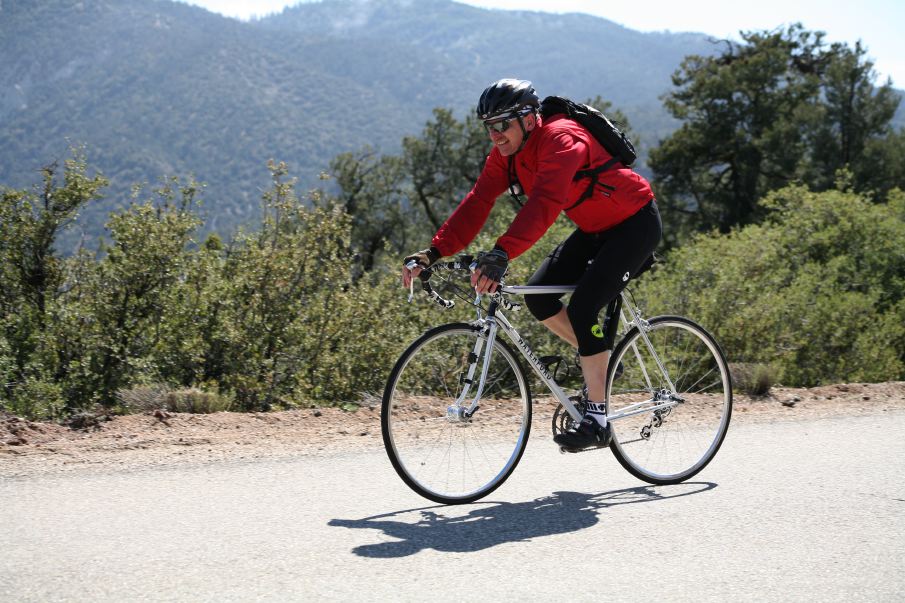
column 440, row 449
column 669, row 418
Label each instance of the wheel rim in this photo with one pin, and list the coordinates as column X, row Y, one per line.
column 441, row 455
column 676, row 442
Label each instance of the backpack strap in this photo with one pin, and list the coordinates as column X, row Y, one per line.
column 515, row 187
column 593, row 174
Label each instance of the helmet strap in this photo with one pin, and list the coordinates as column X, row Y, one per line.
column 525, row 134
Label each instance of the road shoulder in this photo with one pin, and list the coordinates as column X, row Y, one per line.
column 166, row 439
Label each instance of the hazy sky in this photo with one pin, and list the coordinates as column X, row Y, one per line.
column 877, row 23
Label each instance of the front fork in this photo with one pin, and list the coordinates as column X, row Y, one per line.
column 459, row 412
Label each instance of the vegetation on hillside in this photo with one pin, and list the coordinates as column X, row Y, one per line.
column 815, row 292
column 782, row 107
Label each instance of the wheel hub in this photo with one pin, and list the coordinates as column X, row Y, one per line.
column 459, row 414
column 455, row 414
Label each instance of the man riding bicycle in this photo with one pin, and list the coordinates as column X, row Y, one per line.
column 618, row 228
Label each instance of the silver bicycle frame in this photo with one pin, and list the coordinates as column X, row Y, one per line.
column 492, row 325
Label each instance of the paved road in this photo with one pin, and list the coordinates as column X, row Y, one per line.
column 786, row 512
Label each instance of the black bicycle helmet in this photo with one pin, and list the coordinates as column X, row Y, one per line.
column 506, row 97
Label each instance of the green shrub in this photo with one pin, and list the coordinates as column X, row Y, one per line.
column 7, row 369
column 285, row 316
column 37, row 400
column 816, row 291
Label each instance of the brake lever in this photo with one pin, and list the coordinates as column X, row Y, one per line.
column 411, row 266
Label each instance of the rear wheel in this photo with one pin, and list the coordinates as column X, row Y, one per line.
column 436, row 447
column 668, row 434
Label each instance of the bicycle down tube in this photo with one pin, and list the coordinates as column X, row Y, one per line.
column 498, row 322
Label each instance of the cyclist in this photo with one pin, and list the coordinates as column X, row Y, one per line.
column 618, row 227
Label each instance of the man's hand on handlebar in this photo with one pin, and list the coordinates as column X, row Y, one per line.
column 491, row 266
column 422, row 259
column 488, row 268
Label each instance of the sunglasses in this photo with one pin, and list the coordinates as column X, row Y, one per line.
column 498, row 126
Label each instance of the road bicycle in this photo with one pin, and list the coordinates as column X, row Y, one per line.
column 457, row 408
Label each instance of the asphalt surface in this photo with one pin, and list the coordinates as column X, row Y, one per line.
column 794, row 511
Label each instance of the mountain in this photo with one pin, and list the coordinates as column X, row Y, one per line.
column 572, row 54
column 156, row 87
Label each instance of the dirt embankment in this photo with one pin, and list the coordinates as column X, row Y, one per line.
column 160, row 439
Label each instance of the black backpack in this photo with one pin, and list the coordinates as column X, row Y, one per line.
column 602, row 129
column 607, row 134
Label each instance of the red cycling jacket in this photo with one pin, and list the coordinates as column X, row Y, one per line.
column 556, row 149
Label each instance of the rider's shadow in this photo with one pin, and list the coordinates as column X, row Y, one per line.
column 499, row 522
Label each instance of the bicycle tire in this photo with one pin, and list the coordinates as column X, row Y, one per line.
column 443, row 459
column 669, row 446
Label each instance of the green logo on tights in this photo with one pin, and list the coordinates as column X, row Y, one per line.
column 596, row 331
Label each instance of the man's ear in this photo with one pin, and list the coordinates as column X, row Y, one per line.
column 530, row 121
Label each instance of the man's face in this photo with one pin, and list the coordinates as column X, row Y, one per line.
column 510, row 139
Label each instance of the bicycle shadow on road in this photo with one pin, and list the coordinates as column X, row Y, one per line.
column 494, row 523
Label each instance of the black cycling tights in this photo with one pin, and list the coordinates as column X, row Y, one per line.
column 600, row 265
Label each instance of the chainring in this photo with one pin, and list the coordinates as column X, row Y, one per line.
column 563, row 421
